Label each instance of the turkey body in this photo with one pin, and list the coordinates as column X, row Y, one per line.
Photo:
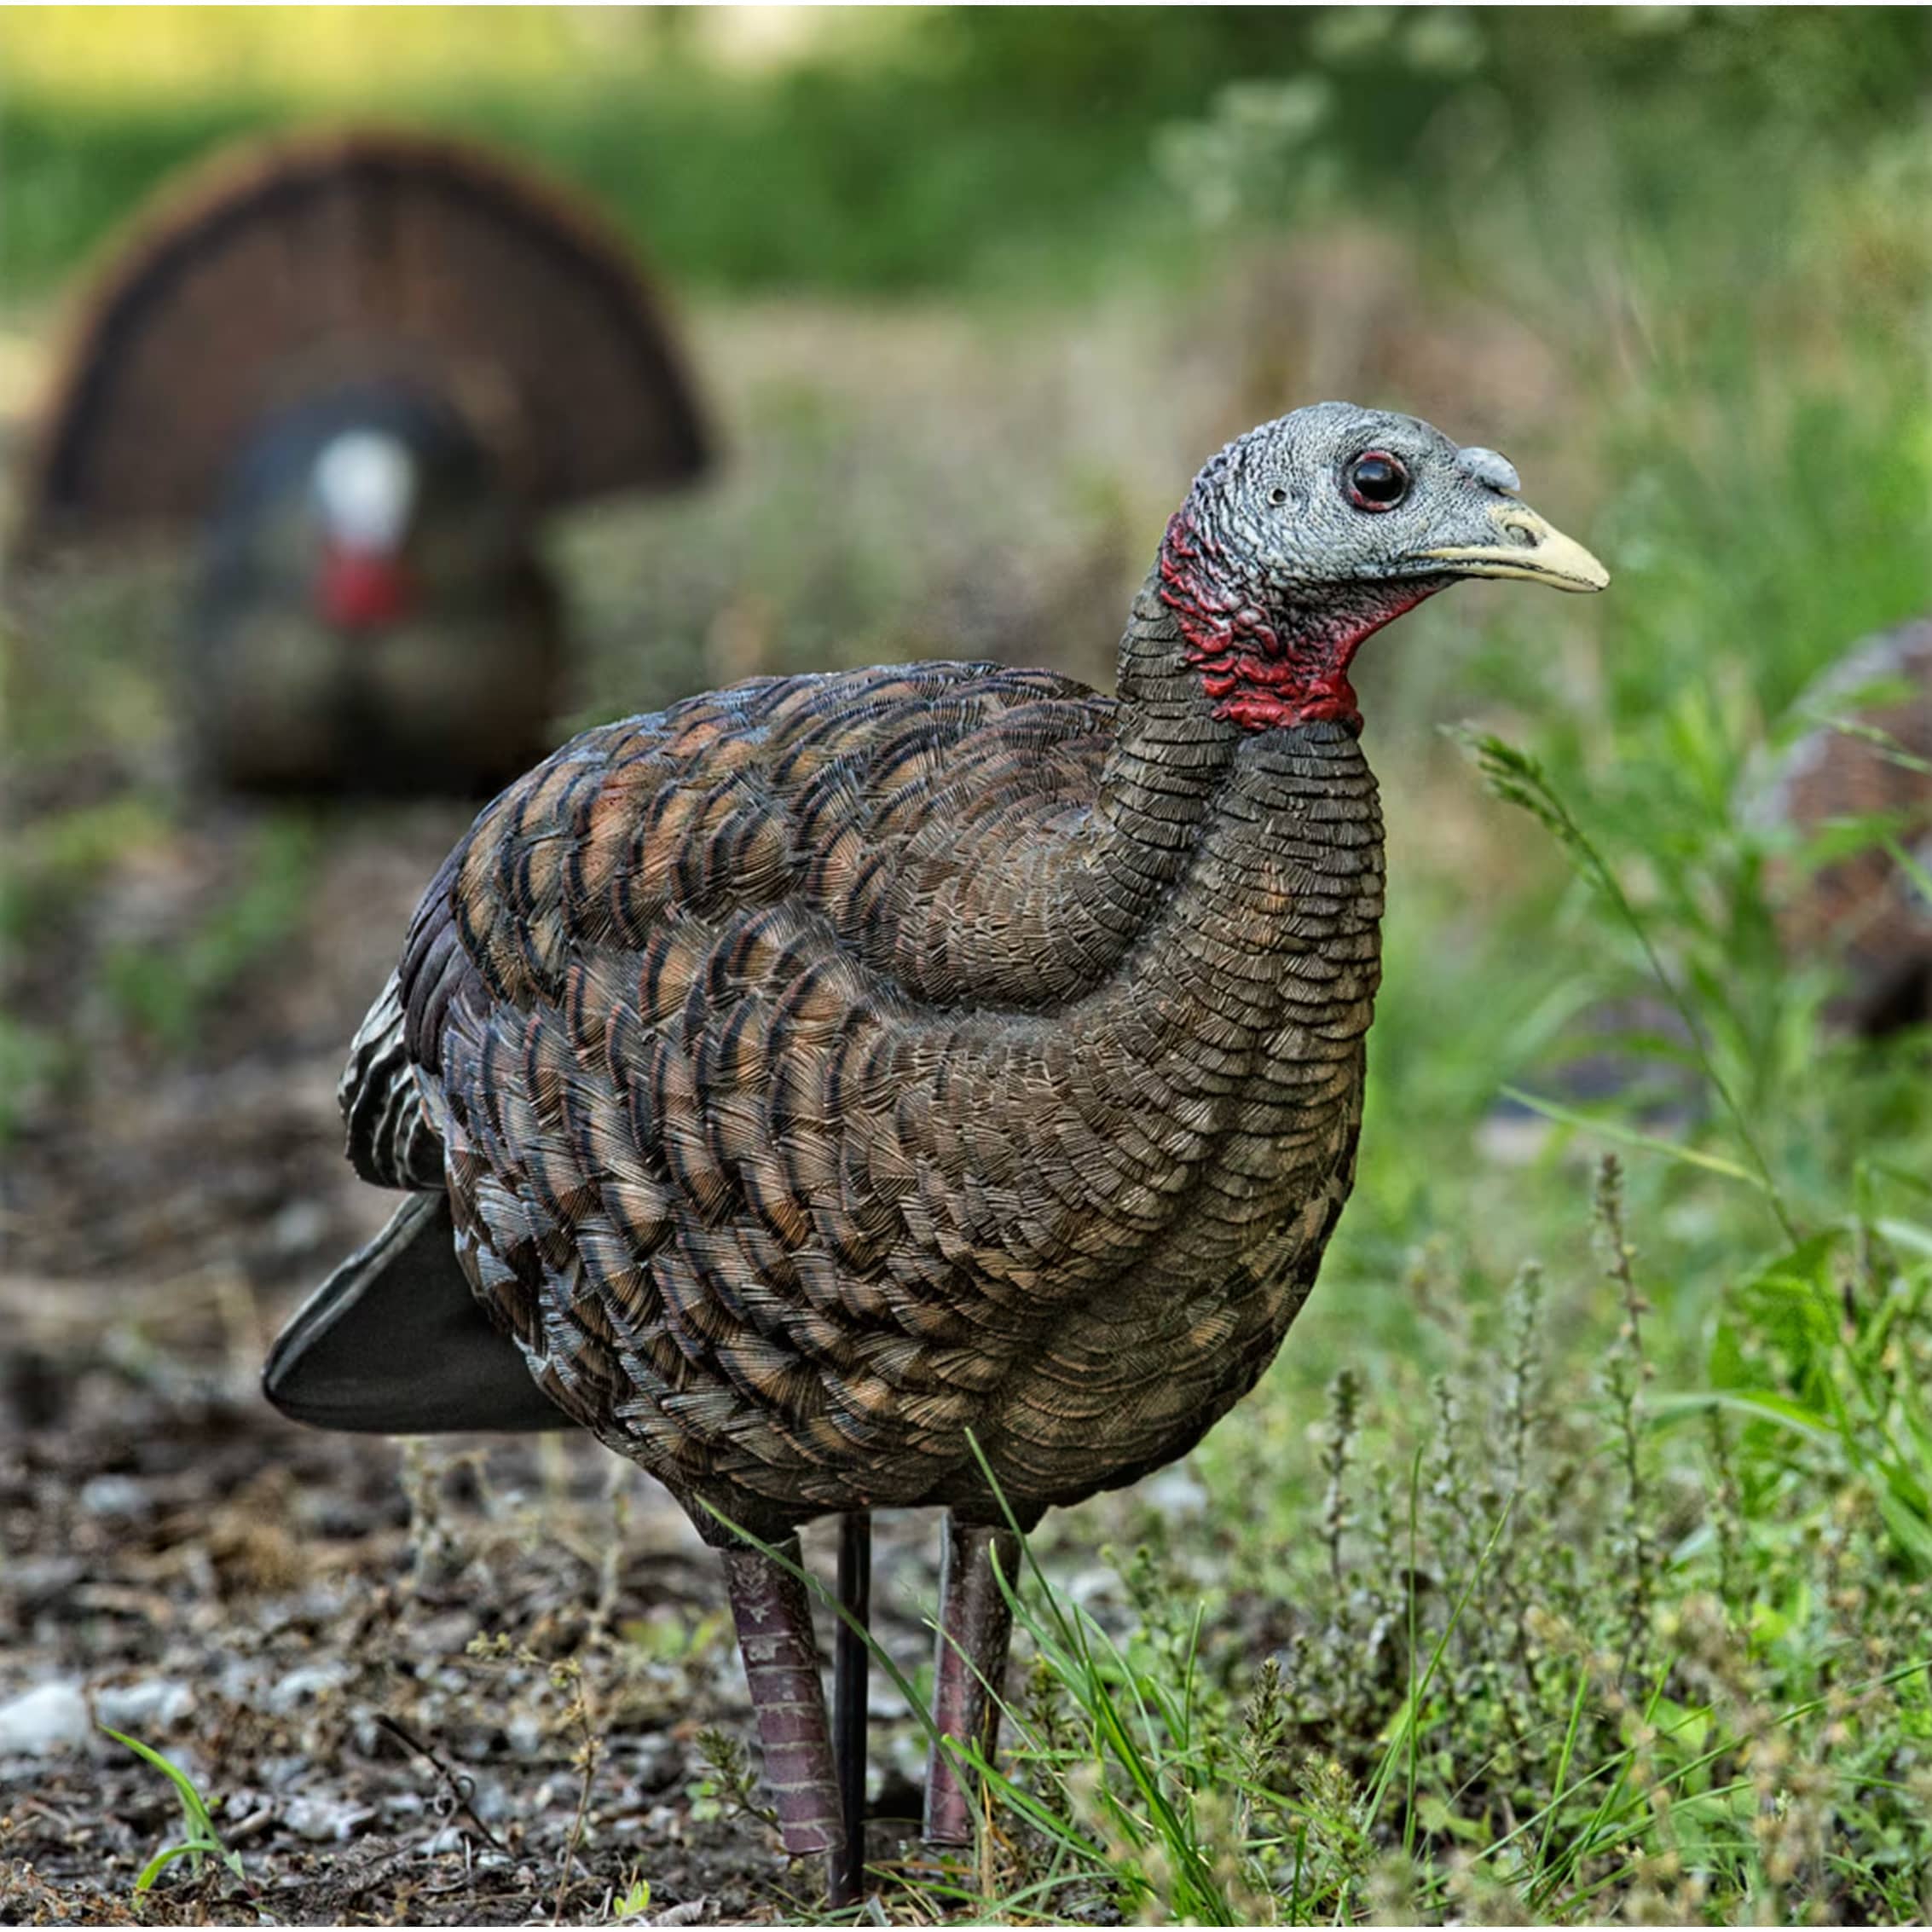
column 840, row 1080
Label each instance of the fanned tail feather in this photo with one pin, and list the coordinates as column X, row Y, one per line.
column 396, row 1342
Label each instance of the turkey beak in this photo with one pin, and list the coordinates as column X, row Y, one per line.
column 1526, row 547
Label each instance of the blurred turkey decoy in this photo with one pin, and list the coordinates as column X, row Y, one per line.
column 1864, row 766
column 362, row 368
column 928, row 1085
column 1868, row 760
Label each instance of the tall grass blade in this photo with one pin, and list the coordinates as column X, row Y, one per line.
column 1520, row 779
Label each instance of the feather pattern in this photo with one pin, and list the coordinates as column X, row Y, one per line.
column 833, row 1069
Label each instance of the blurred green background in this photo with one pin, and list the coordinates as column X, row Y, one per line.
column 972, row 293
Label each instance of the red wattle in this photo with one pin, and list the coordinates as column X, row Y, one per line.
column 361, row 590
column 1259, row 677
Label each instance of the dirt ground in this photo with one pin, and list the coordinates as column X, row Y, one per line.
column 267, row 1605
column 297, row 1629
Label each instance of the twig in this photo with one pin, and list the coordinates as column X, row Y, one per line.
column 460, row 1787
column 1626, row 1370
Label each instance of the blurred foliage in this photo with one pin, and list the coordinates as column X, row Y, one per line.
column 164, row 993
column 898, row 148
column 1709, row 222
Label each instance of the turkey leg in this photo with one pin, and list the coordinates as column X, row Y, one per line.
column 781, row 1667
column 969, row 1664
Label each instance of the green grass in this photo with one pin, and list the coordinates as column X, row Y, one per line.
column 199, row 1839
column 165, row 993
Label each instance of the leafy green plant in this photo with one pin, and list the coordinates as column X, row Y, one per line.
column 1520, row 779
column 1822, row 1356
column 633, row 1902
column 199, row 1838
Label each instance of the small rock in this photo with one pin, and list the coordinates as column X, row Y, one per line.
column 299, row 1227
column 156, row 1703
column 239, row 1679
column 489, row 1801
column 445, row 1636
column 1094, row 1585
column 690, row 1912
column 115, row 1495
column 310, row 1680
column 324, row 1821
column 1176, row 1492
column 44, row 1721
column 44, row 1579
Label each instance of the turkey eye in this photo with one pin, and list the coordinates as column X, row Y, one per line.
column 1377, row 481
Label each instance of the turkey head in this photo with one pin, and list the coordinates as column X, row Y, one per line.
column 1297, row 544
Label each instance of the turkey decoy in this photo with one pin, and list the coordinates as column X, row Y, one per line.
column 362, row 368
column 371, row 616
column 1865, row 763
column 926, row 1085
column 1872, row 760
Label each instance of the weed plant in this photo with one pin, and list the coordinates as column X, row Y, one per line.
column 199, row 1840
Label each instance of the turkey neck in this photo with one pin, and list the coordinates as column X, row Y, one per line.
column 1262, row 952
column 1190, row 803
column 1210, row 1080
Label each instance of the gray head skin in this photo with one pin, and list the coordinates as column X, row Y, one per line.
column 1305, row 536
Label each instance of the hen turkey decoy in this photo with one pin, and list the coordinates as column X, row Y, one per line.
column 927, row 1085
column 362, row 368
column 1872, row 761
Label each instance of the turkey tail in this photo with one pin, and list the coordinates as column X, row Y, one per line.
column 390, row 1140
column 300, row 264
column 396, row 1342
